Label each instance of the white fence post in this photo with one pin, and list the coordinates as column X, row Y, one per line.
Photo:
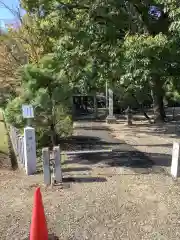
column 30, row 150
column 46, row 166
column 175, row 160
column 57, row 162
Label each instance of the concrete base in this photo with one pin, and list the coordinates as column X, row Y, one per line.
column 111, row 119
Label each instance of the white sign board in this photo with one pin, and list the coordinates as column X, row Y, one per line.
column 27, row 111
column 175, row 160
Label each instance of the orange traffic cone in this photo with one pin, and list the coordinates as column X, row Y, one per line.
column 38, row 230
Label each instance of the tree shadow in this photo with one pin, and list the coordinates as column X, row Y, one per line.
column 81, row 142
column 153, row 145
column 114, row 158
column 84, row 179
column 122, row 155
column 172, row 129
column 131, row 159
column 50, row 237
column 160, row 159
column 90, row 127
column 76, row 169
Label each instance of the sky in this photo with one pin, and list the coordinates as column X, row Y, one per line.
column 6, row 14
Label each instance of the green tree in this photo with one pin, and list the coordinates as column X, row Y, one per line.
column 50, row 96
column 95, row 34
column 47, row 92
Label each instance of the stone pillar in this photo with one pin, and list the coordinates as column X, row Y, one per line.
column 129, row 116
column 30, row 150
column 46, row 166
column 57, row 162
column 111, row 118
column 175, row 169
column 106, row 95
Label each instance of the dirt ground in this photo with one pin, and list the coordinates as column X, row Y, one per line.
column 125, row 205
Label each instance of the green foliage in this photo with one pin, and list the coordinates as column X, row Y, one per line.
column 64, row 122
column 64, row 128
column 98, row 41
column 144, row 57
column 13, row 112
column 47, row 90
column 50, row 95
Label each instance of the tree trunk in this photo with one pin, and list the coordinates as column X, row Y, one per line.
column 158, row 96
column 142, row 108
column 95, row 107
column 53, row 135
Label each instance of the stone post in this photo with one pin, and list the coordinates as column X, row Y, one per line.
column 175, row 169
column 57, row 162
column 106, row 95
column 30, row 150
column 46, row 166
column 111, row 118
column 129, row 116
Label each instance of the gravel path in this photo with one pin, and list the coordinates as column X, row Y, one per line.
column 123, row 204
column 154, row 141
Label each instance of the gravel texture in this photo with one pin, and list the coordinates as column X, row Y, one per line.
column 100, row 202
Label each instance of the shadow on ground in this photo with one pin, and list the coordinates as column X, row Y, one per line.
column 84, row 179
column 50, row 237
column 76, row 169
column 80, row 142
column 122, row 159
column 92, row 127
column 122, row 155
column 170, row 128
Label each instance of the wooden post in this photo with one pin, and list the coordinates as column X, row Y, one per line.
column 46, row 166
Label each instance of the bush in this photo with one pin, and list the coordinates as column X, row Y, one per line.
column 64, row 127
column 64, row 124
column 13, row 112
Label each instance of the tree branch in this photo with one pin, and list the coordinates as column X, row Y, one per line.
column 15, row 13
column 72, row 6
